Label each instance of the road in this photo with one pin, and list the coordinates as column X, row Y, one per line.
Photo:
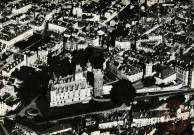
column 191, row 91
column 123, row 107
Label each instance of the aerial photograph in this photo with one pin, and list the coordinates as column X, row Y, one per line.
column 96, row 67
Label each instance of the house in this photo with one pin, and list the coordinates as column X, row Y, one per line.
column 182, row 70
column 18, row 62
column 165, row 75
column 123, row 43
column 141, row 119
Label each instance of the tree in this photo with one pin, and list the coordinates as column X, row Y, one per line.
column 180, row 98
column 149, row 81
column 9, row 124
column 188, row 130
column 95, row 56
column 122, row 92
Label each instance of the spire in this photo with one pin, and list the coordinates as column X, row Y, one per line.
column 54, row 77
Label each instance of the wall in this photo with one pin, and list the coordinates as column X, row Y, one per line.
column 166, row 80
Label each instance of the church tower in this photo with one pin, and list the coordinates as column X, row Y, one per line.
column 98, row 82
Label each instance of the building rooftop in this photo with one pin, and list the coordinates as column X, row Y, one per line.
column 150, row 114
column 12, row 30
column 18, row 59
column 163, row 71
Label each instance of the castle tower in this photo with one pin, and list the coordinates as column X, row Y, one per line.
column 98, row 82
column 78, row 73
column 148, row 70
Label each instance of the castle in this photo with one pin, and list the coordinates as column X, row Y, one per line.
column 75, row 88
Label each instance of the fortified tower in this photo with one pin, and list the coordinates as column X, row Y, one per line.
column 98, row 82
column 148, row 70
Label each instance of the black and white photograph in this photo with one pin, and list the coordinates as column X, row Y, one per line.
column 96, row 67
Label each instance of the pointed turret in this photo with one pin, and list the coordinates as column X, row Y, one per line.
column 54, row 78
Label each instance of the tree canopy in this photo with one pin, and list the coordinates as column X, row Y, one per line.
column 122, row 92
column 149, row 81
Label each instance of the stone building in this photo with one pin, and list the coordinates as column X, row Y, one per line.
column 70, row 89
column 75, row 88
